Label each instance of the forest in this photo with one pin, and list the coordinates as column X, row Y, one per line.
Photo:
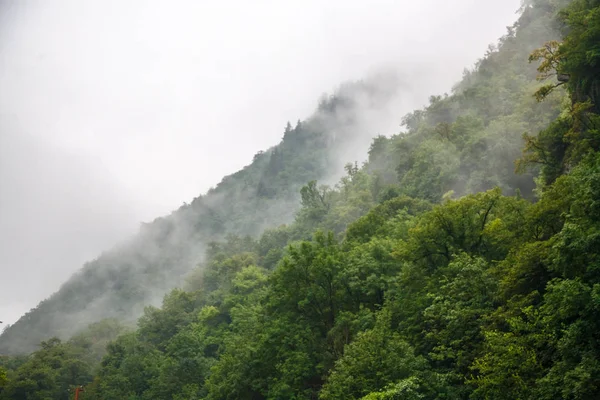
column 460, row 261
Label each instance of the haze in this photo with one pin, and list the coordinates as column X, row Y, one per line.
column 115, row 112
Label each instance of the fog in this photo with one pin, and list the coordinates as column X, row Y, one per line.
column 115, row 112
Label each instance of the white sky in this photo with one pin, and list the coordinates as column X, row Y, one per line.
column 114, row 112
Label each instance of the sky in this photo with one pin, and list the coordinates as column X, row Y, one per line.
column 114, row 112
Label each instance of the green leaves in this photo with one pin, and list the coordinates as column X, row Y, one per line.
column 3, row 379
column 374, row 360
column 48, row 373
column 424, row 274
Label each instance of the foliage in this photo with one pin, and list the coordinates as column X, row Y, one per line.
column 427, row 273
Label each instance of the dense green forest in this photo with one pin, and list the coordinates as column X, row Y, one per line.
column 461, row 261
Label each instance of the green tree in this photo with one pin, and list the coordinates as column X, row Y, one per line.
column 376, row 359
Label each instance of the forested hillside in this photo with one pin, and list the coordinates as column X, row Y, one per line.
column 433, row 271
column 120, row 282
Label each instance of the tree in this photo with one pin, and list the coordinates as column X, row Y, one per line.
column 376, row 359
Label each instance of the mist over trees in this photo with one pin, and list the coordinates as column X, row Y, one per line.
column 123, row 280
column 460, row 261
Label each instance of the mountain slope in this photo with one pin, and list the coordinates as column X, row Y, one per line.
column 419, row 289
column 485, row 296
column 120, row 282
column 465, row 142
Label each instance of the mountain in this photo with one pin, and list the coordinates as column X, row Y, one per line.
column 122, row 281
column 433, row 271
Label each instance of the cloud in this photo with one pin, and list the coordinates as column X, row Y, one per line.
column 57, row 210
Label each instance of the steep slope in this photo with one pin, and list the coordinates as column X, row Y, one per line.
column 469, row 141
column 417, row 291
column 123, row 280
column 485, row 296
column 464, row 142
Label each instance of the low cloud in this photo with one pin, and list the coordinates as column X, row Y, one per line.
column 114, row 112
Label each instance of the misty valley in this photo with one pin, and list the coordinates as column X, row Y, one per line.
column 461, row 260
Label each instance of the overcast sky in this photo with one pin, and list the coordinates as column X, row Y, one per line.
column 115, row 112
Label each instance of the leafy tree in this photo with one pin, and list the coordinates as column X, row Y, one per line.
column 374, row 360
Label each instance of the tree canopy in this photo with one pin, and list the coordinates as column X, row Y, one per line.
column 432, row 271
